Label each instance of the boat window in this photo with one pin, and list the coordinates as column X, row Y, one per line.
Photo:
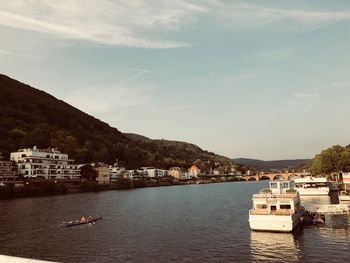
column 273, row 208
column 261, row 206
column 273, row 185
column 285, row 206
column 285, row 185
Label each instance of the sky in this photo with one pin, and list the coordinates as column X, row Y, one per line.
column 260, row 79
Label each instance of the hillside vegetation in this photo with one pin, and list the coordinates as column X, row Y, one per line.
column 272, row 165
column 31, row 117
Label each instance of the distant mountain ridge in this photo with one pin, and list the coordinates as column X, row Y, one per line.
column 271, row 165
column 29, row 117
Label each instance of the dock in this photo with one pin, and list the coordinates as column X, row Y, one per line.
column 334, row 209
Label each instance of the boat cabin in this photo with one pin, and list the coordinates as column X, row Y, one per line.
column 281, row 187
column 311, row 182
column 279, row 199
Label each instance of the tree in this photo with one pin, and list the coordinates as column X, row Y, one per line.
column 88, row 173
column 333, row 159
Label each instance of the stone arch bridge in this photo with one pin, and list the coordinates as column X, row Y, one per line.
column 274, row 176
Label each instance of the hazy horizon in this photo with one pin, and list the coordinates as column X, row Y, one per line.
column 266, row 80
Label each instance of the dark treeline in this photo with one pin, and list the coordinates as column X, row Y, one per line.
column 31, row 117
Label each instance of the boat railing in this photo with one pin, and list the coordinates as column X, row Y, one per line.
column 280, row 212
column 259, row 212
column 283, row 212
column 275, row 196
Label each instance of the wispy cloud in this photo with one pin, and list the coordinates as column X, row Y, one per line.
column 120, row 94
column 181, row 107
column 340, row 84
column 8, row 53
column 306, row 95
column 276, row 55
column 93, row 101
column 152, row 23
column 120, row 23
column 253, row 16
column 240, row 77
column 302, row 100
column 139, row 73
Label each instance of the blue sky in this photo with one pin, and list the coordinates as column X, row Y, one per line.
column 261, row 79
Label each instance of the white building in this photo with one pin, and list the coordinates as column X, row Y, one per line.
column 162, row 172
column 148, row 172
column 8, row 171
column 103, row 173
column 194, row 171
column 116, row 173
column 45, row 164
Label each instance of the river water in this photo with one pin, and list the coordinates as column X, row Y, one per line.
column 195, row 223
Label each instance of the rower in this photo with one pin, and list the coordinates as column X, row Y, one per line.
column 82, row 219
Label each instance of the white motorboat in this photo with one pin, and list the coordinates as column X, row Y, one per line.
column 312, row 185
column 277, row 209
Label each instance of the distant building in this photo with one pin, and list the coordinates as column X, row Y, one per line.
column 103, row 173
column 45, row 164
column 116, row 173
column 162, row 172
column 185, row 175
column 130, row 174
column 175, row 172
column 194, row 171
column 150, row 172
column 8, row 171
column 216, row 172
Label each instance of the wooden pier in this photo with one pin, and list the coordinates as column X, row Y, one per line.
column 335, row 209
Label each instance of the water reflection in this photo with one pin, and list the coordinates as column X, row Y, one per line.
column 264, row 246
column 337, row 227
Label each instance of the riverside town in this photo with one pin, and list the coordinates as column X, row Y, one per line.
column 41, row 168
column 34, row 171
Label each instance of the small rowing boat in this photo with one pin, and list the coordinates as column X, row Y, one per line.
column 85, row 222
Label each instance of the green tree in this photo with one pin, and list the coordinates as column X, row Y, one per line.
column 88, row 173
column 333, row 159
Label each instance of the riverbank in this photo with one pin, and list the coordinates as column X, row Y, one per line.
column 47, row 188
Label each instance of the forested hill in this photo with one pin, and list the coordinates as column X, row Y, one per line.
column 271, row 165
column 31, row 117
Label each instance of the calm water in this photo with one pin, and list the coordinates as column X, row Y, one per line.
column 197, row 223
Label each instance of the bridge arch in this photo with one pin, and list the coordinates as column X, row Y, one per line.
column 292, row 176
column 278, row 177
column 252, row 179
column 264, row 177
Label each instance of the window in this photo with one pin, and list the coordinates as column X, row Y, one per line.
column 273, row 185
column 273, row 208
column 261, row 206
column 285, row 185
column 285, row 206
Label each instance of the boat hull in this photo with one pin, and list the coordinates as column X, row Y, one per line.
column 274, row 223
column 78, row 223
